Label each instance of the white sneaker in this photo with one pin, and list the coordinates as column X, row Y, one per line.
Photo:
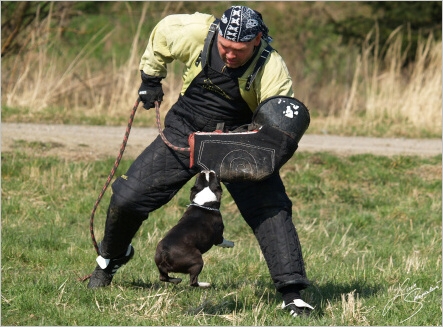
column 297, row 307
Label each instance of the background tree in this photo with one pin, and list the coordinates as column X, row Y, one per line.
column 417, row 18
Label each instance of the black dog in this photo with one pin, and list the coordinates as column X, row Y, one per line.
column 200, row 228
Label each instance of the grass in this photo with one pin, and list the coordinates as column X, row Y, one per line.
column 370, row 226
column 370, row 229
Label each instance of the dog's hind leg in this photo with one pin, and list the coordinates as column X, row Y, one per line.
column 161, row 260
column 164, row 277
column 174, row 280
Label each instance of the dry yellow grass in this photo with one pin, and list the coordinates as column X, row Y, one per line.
column 385, row 98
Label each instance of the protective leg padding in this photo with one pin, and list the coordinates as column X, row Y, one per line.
column 281, row 248
column 120, row 228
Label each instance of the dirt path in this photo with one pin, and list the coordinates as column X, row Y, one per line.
column 95, row 142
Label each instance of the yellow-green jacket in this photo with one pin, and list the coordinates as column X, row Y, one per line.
column 181, row 37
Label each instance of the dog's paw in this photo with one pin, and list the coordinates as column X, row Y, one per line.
column 204, row 284
column 226, row 244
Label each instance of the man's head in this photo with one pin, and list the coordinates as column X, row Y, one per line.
column 240, row 31
column 236, row 54
column 242, row 24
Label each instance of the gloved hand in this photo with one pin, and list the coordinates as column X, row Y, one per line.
column 150, row 90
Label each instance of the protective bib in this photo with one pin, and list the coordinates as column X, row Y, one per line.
column 277, row 126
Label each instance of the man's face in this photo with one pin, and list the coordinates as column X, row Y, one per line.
column 236, row 54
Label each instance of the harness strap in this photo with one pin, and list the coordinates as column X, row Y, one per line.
column 203, row 56
column 264, row 55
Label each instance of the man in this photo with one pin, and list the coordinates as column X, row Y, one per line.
column 222, row 82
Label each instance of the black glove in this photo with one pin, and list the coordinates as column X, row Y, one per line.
column 150, row 90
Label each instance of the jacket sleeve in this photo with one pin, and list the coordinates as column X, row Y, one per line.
column 175, row 37
column 275, row 79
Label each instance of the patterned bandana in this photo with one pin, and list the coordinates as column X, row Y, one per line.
column 242, row 24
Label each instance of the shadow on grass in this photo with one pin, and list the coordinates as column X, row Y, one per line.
column 319, row 295
column 145, row 285
column 213, row 303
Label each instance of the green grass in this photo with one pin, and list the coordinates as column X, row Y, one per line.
column 370, row 228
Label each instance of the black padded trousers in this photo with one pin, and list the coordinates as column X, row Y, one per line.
column 267, row 209
column 159, row 173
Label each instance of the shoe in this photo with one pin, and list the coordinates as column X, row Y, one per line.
column 297, row 307
column 106, row 269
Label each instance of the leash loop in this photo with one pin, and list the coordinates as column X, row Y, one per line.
column 169, row 144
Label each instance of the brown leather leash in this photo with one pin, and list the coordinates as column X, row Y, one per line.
column 108, row 181
column 169, row 144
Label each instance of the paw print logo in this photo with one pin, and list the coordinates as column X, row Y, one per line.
column 291, row 110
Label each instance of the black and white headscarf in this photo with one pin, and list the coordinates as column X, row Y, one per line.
column 242, row 24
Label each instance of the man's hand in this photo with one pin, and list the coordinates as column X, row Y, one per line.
column 150, row 90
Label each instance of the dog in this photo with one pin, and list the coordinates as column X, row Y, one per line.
column 201, row 227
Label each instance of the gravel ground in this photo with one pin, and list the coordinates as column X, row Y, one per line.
column 76, row 142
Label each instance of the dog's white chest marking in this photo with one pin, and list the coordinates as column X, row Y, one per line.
column 204, row 196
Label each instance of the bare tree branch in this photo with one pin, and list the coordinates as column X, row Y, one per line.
column 17, row 23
